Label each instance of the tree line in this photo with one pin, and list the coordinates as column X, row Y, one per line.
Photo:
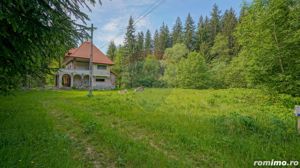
column 257, row 49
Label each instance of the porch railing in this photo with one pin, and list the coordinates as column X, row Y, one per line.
column 85, row 72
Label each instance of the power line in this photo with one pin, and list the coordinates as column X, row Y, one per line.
column 147, row 12
column 142, row 16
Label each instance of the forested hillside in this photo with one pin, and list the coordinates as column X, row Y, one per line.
column 259, row 47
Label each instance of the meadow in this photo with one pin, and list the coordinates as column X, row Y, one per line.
column 155, row 128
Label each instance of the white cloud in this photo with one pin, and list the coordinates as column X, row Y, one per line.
column 115, row 29
column 111, row 26
column 106, row 38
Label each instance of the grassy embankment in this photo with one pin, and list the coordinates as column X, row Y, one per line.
column 155, row 128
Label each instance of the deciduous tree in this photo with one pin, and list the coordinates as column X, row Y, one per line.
column 270, row 40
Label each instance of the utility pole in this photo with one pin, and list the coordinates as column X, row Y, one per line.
column 91, row 65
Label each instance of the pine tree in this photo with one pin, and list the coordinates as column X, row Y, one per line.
column 130, row 40
column 229, row 24
column 36, row 34
column 129, row 58
column 168, row 38
column 164, row 40
column 205, row 38
column 199, row 33
column 111, row 51
column 148, row 43
column 140, row 46
column 156, row 44
column 189, row 36
column 177, row 36
column 215, row 23
column 243, row 11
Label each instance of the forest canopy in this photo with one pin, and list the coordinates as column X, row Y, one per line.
column 257, row 48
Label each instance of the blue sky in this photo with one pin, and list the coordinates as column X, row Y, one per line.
column 112, row 17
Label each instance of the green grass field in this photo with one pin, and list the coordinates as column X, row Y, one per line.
column 156, row 128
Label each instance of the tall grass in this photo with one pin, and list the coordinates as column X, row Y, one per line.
column 27, row 135
column 155, row 128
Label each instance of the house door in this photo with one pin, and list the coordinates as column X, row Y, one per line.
column 66, row 80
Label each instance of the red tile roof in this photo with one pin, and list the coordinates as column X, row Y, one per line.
column 84, row 50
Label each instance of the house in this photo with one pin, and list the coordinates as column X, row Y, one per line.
column 76, row 74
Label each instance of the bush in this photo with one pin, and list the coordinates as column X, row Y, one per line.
column 192, row 72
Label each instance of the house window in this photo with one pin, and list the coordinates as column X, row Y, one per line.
column 100, row 80
column 101, row 67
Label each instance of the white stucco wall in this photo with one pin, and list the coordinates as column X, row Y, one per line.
column 78, row 68
column 107, row 84
column 95, row 67
column 82, row 65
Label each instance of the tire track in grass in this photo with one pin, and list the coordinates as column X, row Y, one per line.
column 156, row 103
column 135, row 153
column 143, row 135
column 75, row 133
column 85, row 110
column 133, row 128
column 149, row 137
column 140, row 134
column 137, row 134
